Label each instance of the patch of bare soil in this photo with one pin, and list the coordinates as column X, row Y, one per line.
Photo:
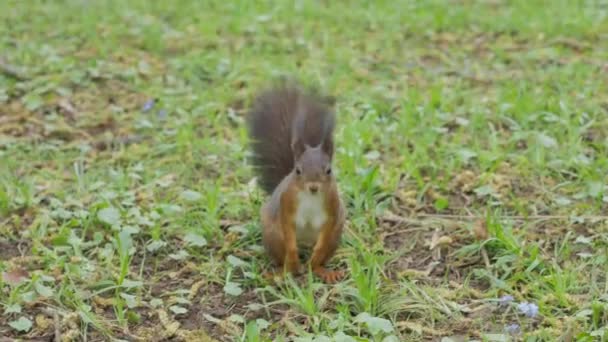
column 210, row 312
column 11, row 249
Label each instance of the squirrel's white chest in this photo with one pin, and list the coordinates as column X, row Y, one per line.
column 310, row 217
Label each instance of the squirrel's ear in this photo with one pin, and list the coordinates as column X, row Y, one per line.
column 328, row 146
column 297, row 148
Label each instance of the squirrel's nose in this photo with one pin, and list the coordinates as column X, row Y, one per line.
column 313, row 188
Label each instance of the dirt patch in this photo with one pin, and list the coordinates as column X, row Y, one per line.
column 213, row 305
column 12, row 249
column 212, row 308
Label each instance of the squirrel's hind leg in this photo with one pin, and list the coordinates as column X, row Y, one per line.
column 272, row 238
column 277, row 244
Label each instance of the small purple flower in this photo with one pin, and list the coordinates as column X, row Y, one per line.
column 148, row 105
column 528, row 309
column 162, row 114
column 505, row 300
column 512, row 328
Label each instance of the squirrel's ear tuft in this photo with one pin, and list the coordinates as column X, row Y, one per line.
column 297, row 147
column 327, row 146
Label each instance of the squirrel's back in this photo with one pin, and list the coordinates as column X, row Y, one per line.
column 279, row 116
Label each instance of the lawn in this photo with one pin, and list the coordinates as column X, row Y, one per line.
column 472, row 155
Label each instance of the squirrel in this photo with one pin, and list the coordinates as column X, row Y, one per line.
column 291, row 136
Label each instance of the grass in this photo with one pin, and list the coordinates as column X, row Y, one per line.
column 472, row 155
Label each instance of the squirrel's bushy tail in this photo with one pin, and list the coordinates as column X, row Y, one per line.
column 278, row 117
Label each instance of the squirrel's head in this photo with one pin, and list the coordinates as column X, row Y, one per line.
column 313, row 169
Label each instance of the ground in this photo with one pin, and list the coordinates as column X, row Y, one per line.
column 472, row 155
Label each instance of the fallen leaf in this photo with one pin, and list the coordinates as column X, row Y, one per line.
column 438, row 240
column 67, row 107
column 445, row 241
column 15, row 277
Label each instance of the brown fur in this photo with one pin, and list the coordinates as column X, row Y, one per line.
column 292, row 142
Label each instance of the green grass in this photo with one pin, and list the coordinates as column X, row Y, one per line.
column 472, row 155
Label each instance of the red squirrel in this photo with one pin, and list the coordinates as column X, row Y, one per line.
column 291, row 132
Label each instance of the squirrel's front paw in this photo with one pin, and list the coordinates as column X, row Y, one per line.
column 293, row 266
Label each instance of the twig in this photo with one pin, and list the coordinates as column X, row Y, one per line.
column 11, row 70
column 512, row 217
column 484, row 255
column 402, row 231
column 57, row 323
column 127, row 140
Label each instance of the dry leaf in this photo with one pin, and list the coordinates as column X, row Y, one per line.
column 15, row 277
column 434, row 240
column 480, row 230
column 103, row 302
column 438, row 240
column 67, row 107
column 445, row 241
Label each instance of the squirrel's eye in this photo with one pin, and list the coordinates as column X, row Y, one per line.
column 298, row 171
column 328, row 171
